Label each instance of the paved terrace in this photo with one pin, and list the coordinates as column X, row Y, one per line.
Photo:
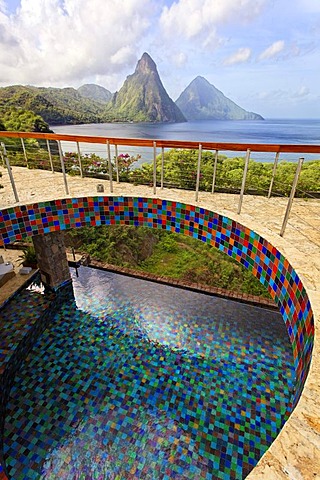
column 295, row 454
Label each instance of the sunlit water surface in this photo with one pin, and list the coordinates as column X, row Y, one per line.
column 136, row 380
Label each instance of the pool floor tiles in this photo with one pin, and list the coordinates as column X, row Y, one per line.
column 16, row 322
column 97, row 399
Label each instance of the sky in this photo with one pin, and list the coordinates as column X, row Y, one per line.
column 262, row 54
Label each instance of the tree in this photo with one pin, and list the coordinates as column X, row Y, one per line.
column 24, row 121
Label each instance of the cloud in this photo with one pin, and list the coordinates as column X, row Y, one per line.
column 272, row 51
column 281, row 95
column 52, row 41
column 197, row 18
column 241, row 56
column 302, row 92
column 179, row 59
column 310, row 6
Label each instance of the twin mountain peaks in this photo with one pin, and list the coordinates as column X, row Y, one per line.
column 142, row 98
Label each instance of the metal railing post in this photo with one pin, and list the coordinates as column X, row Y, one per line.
column 245, row 171
column 63, row 168
column 154, row 168
column 214, row 171
column 79, row 158
column 293, row 191
column 10, row 172
column 50, row 156
column 198, row 172
column 110, row 166
column 117, row 164
column 273, row 173
column 2, row 157
column 162, row 167
column 24, row 151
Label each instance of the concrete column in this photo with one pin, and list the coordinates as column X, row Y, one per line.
column 52, row 259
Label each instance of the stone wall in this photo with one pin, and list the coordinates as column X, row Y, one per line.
column 52, row 259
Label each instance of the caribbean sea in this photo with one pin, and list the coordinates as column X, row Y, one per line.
column 276, row 131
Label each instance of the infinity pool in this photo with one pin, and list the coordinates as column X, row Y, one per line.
column 136, row 380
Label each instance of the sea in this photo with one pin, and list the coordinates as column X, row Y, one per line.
column 276, row 131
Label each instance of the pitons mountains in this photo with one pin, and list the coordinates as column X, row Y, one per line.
column 142, row 98
column 203, row 101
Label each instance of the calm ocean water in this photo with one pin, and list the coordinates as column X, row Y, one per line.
column 278, row 131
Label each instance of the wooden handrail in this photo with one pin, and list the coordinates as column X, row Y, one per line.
column 141, row 142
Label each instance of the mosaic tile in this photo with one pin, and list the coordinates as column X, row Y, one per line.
column 230, row 237
column 107, row 393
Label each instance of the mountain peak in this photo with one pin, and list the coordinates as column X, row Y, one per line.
column 203, row 101
column 143, row 98
column 95, row 92
column 146, row 64
column 199, row 79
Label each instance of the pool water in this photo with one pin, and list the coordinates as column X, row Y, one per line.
column 136, row 380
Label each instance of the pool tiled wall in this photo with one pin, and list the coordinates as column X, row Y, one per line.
column 20, row 335
column 239, row 242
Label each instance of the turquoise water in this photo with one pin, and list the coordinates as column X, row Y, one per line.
column 136, row 380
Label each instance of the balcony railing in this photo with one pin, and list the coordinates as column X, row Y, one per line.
column 69, row 155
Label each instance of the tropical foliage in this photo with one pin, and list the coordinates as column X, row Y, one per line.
column 55, row 105
column 180, row 171
column 21, row 120
column 28, row 258
column 165, row 253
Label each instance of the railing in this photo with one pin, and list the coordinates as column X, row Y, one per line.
column 48, row 151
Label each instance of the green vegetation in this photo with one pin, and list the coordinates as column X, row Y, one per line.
column 180, row 171
column 117, row 245
column 57, row 106
column 95, row 92
column 21, row 120
column 165, row 253
column 28, row 258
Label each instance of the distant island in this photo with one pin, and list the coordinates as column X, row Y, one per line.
column 142, row 98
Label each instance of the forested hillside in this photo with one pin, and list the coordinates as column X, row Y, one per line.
column 166, row 254
column 55, row 105
column 21, row 120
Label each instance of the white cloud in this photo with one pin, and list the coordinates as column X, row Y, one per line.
column 273, row 50
column 241, row 56
column 273, row 95
column 197, row 18
column 52, row 41
column 179, row 59
column 282, row 95
column 302, row 92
